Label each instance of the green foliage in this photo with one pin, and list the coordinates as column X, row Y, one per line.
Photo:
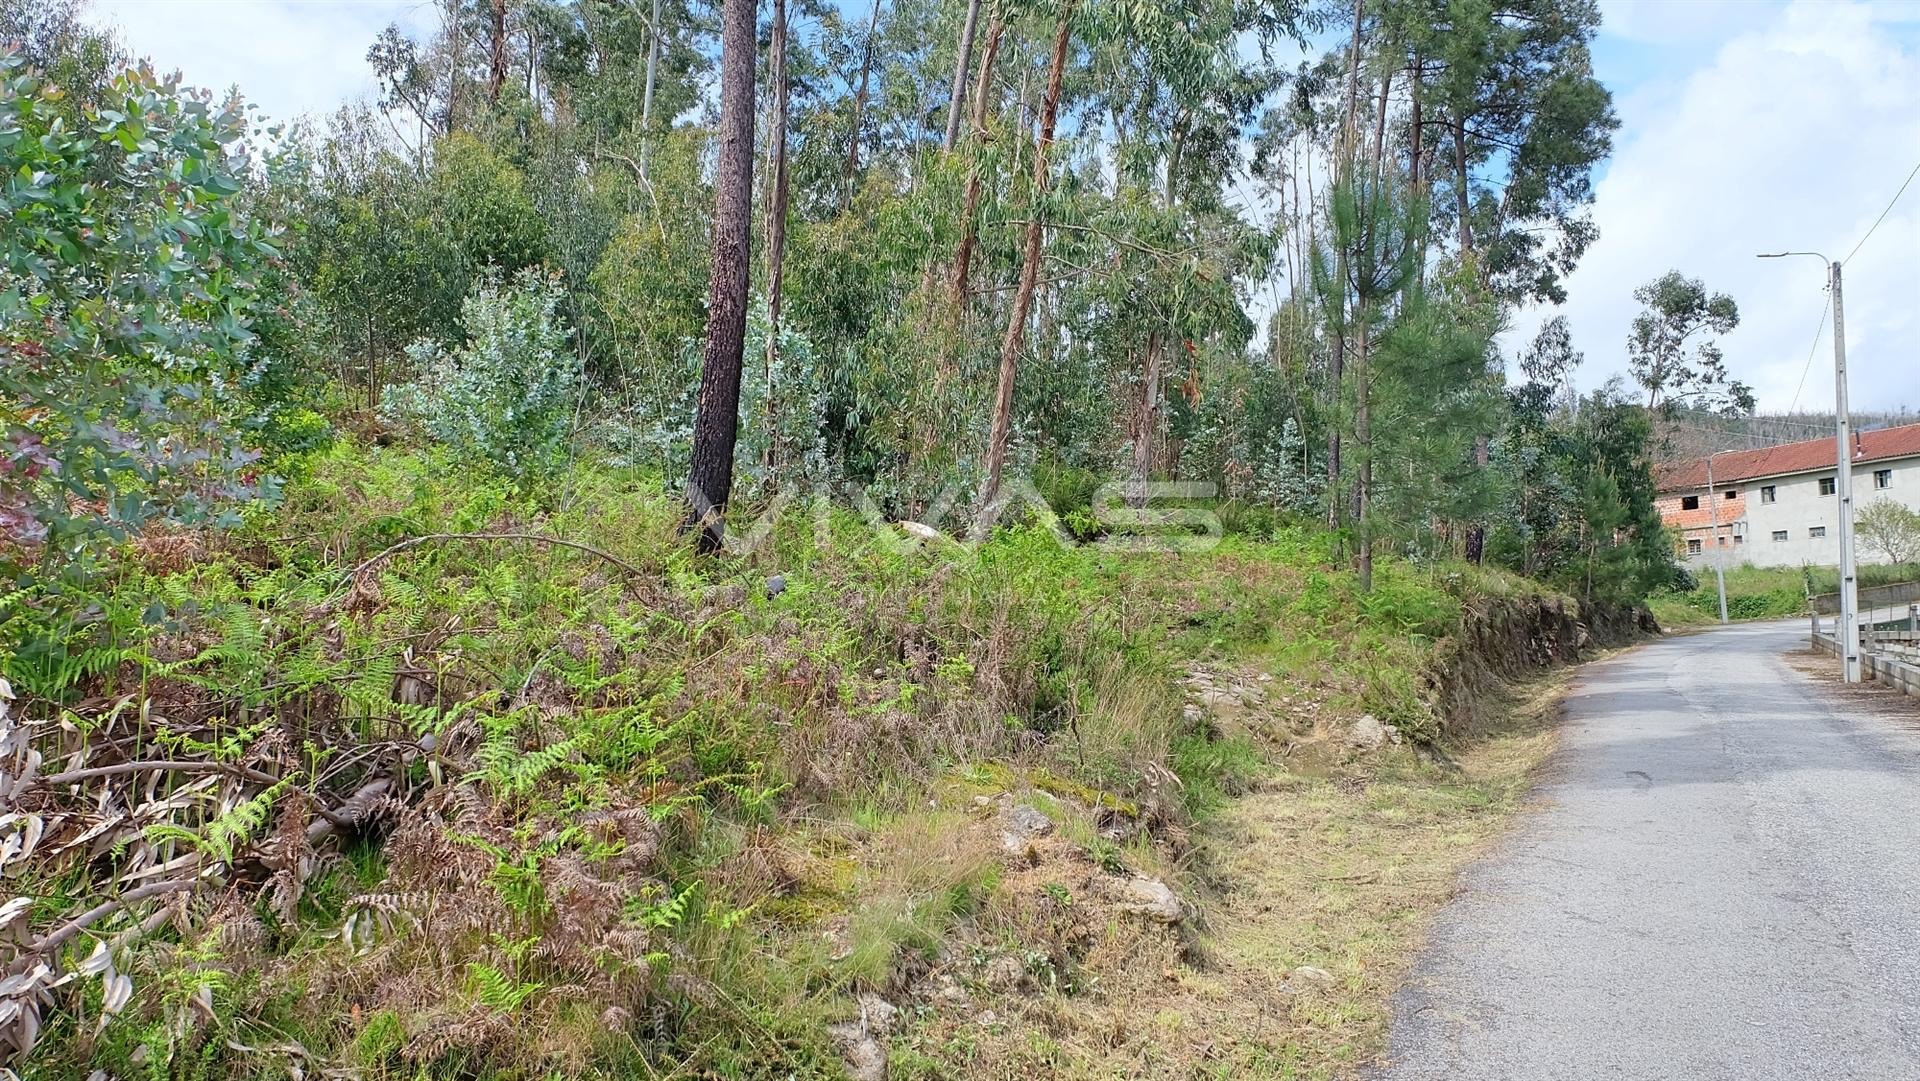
column 1584, row 517
column 509, row 395
column 1673, row 349
column 126, row 292
column 230, row 829
column 623, row 796
column 1890, row 530
column 497, row 991
column 480, row 199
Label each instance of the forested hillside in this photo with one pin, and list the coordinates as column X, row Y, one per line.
column 592, row 564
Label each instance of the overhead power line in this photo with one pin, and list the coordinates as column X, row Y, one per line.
column 1811, row 350
column 1884, row 213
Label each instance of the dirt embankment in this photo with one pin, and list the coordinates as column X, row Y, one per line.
column 1302, row 898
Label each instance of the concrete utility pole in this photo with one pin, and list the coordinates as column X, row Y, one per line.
column 1847, row 634
column 1843, row 487
column 1719, row 553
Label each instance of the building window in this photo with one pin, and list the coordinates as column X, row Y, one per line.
column 1768, row 494
column 1689, row 502
column 1739, row 539
column 1731, row 493
column 1883, row 478
column 1779, row 534
column 1817, row 531
column 1826, row 485
column 1693, row 546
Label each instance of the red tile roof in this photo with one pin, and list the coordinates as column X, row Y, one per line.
column 1803, row 457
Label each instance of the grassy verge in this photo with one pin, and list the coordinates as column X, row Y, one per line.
column 1318, row 885
column 430, row 804
column 1766, row 592
column 1752, row 593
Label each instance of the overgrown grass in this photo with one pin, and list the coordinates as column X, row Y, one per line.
column 1752, row 593
column 1767, row 592
column 644, row 812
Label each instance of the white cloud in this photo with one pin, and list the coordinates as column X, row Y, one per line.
column 1672, row 22
column 290, row 57
column 1793, row 136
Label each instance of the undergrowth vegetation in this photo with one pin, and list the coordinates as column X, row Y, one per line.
column 1767, row 592
column 426, row 793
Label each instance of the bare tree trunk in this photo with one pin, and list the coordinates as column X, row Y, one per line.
column 1416, row 174
column 497, row 69
column 373, row 366
column 1336, row 364
column 776, row 216
column 1415, row 76
column 859, row 110
column 1380, row 125
column 1343, row 164
column 1477, row 532
column 1348, row 130
column 962, row 56
column 716, row 422
column 1174, row 155
column 1020, row 133
column 646, row 96
column 1029, row 267
column 1363, row 439
column 1462, row 202
column 970, row 214
column 1147, row 423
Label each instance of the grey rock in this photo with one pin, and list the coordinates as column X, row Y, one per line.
column 1152, row 898
column 1368, row 734
column 921, row 531
column 1028, row 821
column 1307, row 976
column 879, row 1014
column 860, row 1040
column 948, row 990
column 776, row 585
column 1004, row 972
column 865, row 1056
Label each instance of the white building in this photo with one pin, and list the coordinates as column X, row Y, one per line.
column 1777, row 507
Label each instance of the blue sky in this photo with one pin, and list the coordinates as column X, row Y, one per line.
column 1746, row 126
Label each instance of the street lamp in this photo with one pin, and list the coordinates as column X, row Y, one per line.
column 1849, row 632
column 1719, row 552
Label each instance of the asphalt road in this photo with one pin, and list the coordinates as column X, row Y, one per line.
column 1720, row 879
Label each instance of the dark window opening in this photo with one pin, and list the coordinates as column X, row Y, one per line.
column 1689, row 502
column 1826, row 485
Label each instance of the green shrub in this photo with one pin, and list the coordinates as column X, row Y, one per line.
column 127, row 283
column 508, row 396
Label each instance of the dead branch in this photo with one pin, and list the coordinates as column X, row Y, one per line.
column 59, row 935
column 171, row 766
column 534, row 538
